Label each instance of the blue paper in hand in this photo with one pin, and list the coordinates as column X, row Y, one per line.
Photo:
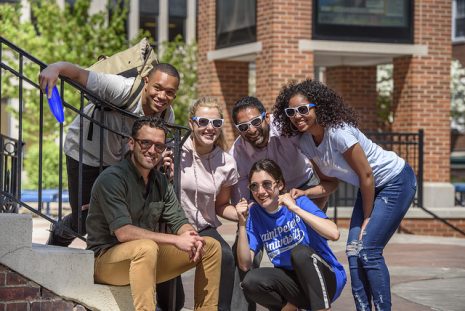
column 55, row 104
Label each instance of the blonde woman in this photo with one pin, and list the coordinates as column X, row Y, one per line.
column 207, row 176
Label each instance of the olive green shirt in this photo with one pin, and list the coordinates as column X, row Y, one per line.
column 120, row 197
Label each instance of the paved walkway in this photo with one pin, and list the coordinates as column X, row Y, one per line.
column 427, row 273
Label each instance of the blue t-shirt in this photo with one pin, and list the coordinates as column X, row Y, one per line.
column 280, row 232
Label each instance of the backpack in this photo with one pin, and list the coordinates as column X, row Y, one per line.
column 136, row 61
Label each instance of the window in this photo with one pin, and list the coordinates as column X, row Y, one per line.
column 236, row 22
column 363, row 20
column 177, row 19
column 458, row 20
column 148, row 18
column 71, row 4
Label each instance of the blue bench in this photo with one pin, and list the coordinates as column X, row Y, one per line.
column 459, row 194
column 48, row 196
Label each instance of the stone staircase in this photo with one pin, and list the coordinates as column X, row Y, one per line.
column 68, row 272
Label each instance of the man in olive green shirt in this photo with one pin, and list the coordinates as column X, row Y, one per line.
column 127, row 202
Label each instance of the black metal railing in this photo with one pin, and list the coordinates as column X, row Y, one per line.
column 10, row 169
column 13, row 61
column 408, row 146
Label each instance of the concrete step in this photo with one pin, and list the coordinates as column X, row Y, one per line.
column 68, row 272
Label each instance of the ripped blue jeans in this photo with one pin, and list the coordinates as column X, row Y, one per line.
column 368, row 271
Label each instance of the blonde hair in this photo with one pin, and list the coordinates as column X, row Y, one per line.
column 209, row 102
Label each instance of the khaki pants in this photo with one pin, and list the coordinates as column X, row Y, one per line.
column 142, row 263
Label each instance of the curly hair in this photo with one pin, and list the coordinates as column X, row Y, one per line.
column 330, row 109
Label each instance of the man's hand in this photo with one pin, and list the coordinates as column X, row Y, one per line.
column 48, row 79
column 191, row 243
column 49, row 76
column 287, row 200
column 295, row 193
column 242, row 209
column 168, row 163
column 198, row 253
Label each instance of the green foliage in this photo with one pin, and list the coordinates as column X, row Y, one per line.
column 50, row 163
column 183, row 56
column 75, row 36
column 72, row 35
column 384, row 98
column 458, row 96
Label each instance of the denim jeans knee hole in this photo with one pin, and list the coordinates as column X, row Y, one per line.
column 360, row 303
column 354, row 248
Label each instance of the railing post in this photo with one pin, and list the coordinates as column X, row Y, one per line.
column 421, row 135
column 20, row 130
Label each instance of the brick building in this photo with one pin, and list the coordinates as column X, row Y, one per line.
column 341, row 43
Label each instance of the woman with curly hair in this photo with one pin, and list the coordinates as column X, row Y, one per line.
column 338, row 149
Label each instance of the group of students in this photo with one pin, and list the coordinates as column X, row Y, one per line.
column 274, row 182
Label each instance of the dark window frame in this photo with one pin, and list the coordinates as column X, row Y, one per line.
column 180, row 21
column 456, row 38
column 382, row 34
column 222, row 42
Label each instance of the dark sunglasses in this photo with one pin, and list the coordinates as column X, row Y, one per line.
column 256, row 122
column 302, row 110
column 146, row 144
column 267, row 185
column 203, row 122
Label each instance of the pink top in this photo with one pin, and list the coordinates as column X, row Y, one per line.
column 202, row 177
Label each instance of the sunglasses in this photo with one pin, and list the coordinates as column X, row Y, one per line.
column 146, row 144
column 267, row 185
column 255, row 122
column 203, row 122
column 302, row 110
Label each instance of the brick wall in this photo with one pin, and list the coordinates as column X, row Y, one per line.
column 421, row 87
column 458, row 52
column 225, row 80
column 357, row 85
column 422, row 226
column 280, row 25
column 20, row 294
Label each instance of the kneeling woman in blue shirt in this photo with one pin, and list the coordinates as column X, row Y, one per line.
column 294, row 233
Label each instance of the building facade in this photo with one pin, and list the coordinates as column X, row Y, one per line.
column 341, row 42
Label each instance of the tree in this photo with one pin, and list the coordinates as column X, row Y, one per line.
column 384, row 87
column 54, row 34
column 183, row 56
column 78, row 37
column 458, row 96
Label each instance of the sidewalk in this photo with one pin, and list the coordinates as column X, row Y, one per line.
column 427, row 273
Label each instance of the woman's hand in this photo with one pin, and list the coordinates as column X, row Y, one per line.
column 287, row 200
column 242, row 209
column 363, row 227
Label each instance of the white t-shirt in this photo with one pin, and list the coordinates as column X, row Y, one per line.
column 329, row 155
column 296, row 168
column 116, row 90
column 202, row 177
